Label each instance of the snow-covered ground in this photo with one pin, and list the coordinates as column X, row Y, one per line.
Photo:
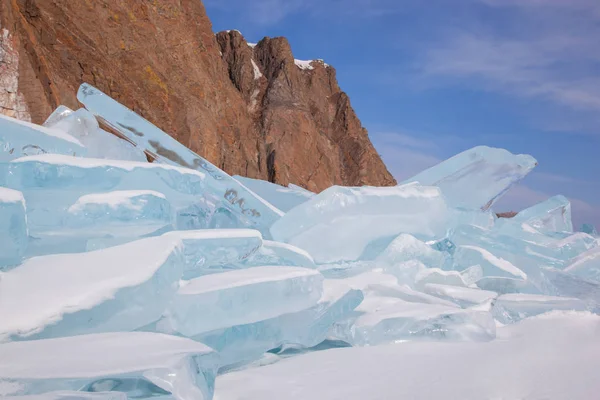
column 552, row 356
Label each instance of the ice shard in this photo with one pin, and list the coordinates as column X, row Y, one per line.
column 138, row 364
column 464, row 297
column 426, row 276
column 586, row 265
column 406, row 247
column 116, row 289
column 552, row 215
column 467, row 256
column 83, row 126
column 478, row 177
column 526, row 256
column 211, row 251
column 506, row 285
column 20, row 138
column 415, row 273
column 564, row 284
column 59, row 113
column 284, row 198
column 306, row 328
column 53, row 183
column 511, row 308
column 165, row 149
column 13, row 228
column 589, row 229
column 386, row 319
column 339, row 223
column 277, row 253
column 241, row 297
column 123, row 213
column 406, row 293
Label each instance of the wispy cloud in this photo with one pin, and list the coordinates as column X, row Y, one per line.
column 562, row 179
column 405, row 155
column 543, row 50
column 527, row 67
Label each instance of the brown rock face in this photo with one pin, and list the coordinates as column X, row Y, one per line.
column 508, row 214
column 250, row 111
column 311, row 132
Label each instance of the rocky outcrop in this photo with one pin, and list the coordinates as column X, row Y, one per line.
column 311, row 132
column 251, row 111
column 12, row 101
column 508, row 214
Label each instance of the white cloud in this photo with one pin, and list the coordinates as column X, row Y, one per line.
column 543, row 52
column 526, row 67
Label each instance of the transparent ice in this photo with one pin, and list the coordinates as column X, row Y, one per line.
column 284, row 198
column 146, row 136
column 83, row 126
column 305, row 328
column 478, row 177
column 138, row 364
column 357, row 216
column 552, row 215
column 511, row 308
column 115, row 289
column 20, row 138
column 13, row 228
column 238, row 297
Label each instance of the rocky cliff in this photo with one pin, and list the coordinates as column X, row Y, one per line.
column 250, row 109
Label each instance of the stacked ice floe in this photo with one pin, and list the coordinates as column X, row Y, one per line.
column 124, row 278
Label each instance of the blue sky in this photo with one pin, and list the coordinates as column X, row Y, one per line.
column 431, row 78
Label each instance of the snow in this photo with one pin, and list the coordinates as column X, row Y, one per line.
column 498, row 262
column 42, row 129
column 460, row 295
column 43, row 289
column 203, row 234
column 157, row 363
column 252, row 276
column 257, row 73
column 93, row 355
column 58, row 159
column 530, row 360
column 252, row 45
column 305, row 65
column 11, row 196
column 113, row 199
